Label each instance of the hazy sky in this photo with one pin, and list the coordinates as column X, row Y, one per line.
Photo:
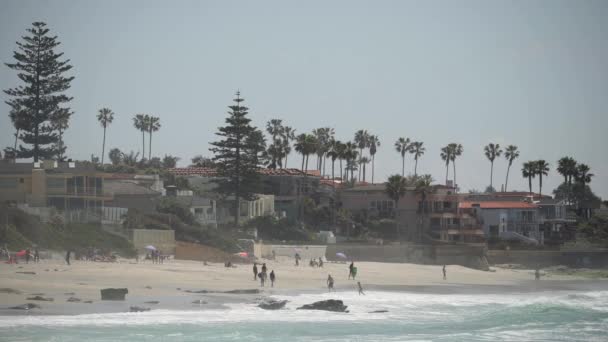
column 529, row 73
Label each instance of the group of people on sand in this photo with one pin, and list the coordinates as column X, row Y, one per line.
column 352, row 273
column 156, row 256
column 315, row 263
column 14, row 258
column 263, row 275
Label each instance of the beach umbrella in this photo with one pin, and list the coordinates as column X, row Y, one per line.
column 242, row 254
column 341, row 255
column 151, row 248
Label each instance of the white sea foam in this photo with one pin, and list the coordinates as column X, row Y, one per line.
column 400, row 305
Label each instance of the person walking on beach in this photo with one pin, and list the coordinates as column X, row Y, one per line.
column 264, row 268
column 255, row 271
column 27, row 256
column 272, row 278
column 67, row 257
column 330, row 283
column 320, row 262
column 262, row 276
column 360, row 288
column 350, row 269
column 444, row 273
column 36, row 255
column 297, row 257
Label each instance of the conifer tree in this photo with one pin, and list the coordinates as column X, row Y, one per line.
column 39, row 103
column 237, row 156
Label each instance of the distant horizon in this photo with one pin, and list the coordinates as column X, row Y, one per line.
column 533, row 75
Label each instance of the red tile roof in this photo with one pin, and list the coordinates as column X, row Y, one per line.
column 210, row 172
column 498, row 205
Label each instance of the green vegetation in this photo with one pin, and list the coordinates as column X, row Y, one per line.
column 24, row 231
column 595, row 229
column 271, row 228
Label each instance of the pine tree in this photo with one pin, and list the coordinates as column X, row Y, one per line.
column 41, row 118
column 237, row 156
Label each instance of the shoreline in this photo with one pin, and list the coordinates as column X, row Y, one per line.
column 170, row 283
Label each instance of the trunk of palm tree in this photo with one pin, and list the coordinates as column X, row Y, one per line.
column 332, row 172
column 143, row 145
column 507, row 179
column 16, row 139
column 454, row 166
column 530, row 184
column 237, row 210
column 364, row 172
column 341, row 174
column 360, row 156
column 447, row 168
column 307, row 163
column 540, row 184
column 402, row 165
column 150, row 147
column 491, row 172
column 303, row 158
column 373, row 167
column 285, row 164
column 103, row 146
column 416, row 167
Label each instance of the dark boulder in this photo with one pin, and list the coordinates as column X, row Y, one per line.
column 272, row 304
column 138, row 309
column 247, row 291
column 40, row 298
column 26, row 306
column 152, row 302
column 378, row 311
column 114, row 294
column 27, row 272
column 73, row 300
column 326, row 305
column 9, row 291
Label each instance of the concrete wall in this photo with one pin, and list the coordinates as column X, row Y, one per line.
column 548, row 258
column 163, row 240
column 422, row 254
column 307, row 252
column 193, row 251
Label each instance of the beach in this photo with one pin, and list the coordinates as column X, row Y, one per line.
column 175, row 283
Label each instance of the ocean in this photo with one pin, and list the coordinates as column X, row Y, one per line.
column 534, row 316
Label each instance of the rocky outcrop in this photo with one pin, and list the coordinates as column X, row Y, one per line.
column 378, row 311
column 27, row 306
column 9, row 291
column 73, row 300
column 272, row 304
column 326, row 305
column 27, row 272
column 138, row 309
column 113, row 294
column 248, row 291
column 40, row 298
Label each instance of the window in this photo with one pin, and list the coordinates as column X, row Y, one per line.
column 55, row 183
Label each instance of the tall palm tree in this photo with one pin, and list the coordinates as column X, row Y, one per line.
column 105, row 116
column 417, row 150
column 542, row 169
column 423, row 189
column 511, row 153
column 567, row 167
column 300, row 147
column 583, row 175
column 403, row 145
column 140, row 122
column 333, row 153
column 455, row 152
column 529, row 171
column 395, row 189
column 492, row 151
column 351, row 154
column 153, row 126
column 446, row 156
column 374, row 143
column 362, row 163
column 362, row 142
column 289, row 135
column 341, row 151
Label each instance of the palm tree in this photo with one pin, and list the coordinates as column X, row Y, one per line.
column 403, row 145
column 374, row 143
column 105, row 117
column 395, row 189
column 362, row 163
column 153, row 126
column 341, row 151
column 567, row 167
column 492, row 151
column 446, row 156
column 140, row 122
column 583, row 175
column 511, row 153
column 542, row 169
column 362, row 141
column 300, row 147
column 529, row 171
column 333, row 153
column 455, row 151
column 350, row 154
column 423, row 189
column 417, row 150
column 289, row 134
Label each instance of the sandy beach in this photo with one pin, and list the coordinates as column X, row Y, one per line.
column 174, row 283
